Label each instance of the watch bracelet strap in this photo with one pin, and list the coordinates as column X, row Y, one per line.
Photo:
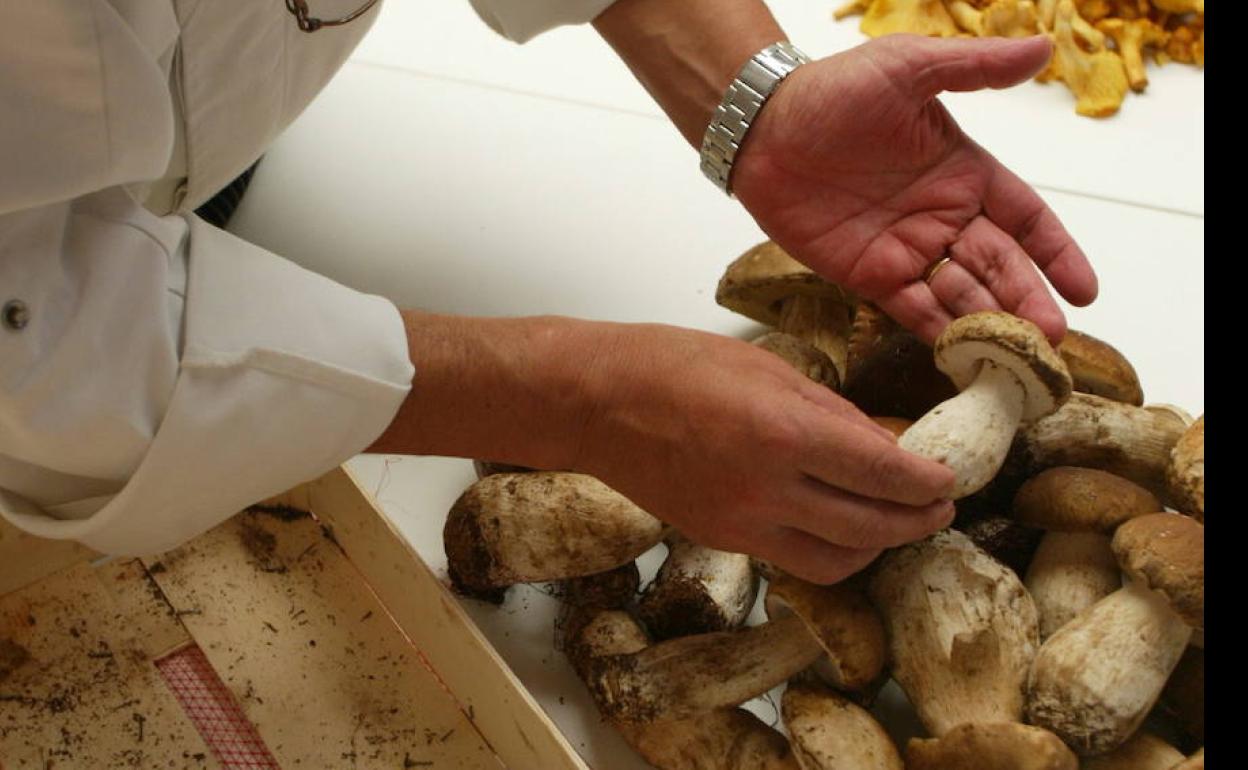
column 740, row 106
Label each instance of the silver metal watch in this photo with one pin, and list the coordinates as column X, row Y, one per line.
column 741, row 103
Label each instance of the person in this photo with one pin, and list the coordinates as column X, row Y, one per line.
column 158, row 374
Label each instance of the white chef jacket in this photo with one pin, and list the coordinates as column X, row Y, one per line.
column 169, row 373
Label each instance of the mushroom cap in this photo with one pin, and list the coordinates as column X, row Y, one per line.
column 829, row 731
column 1069, row 499
column 1166, row 551
column 1010, row 342
column 1098, row 368
column 843, row 620
column 802, row 356
column 757, row 283
column 991, row 746
column 1185, row 476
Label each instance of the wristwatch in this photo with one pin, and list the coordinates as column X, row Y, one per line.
column 741, row 104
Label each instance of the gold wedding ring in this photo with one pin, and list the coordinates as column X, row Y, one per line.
column 934, row 268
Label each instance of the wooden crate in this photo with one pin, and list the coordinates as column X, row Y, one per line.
column 332, row 636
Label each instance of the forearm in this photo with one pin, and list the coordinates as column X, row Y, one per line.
column 686, row 52
column 504, row 389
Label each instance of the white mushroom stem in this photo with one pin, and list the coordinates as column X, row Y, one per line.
column 1094, row 432
column 690, row 675
column 1094, row 681
column 971, row 432
column 1070, row 572
column 962, row 631
column 698, row 590
column 727, row 738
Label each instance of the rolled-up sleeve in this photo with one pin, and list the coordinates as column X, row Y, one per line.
column 169, row 374
column 156, row 374
column 522, row 20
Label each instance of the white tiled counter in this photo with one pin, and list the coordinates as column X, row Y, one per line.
column 454, row 171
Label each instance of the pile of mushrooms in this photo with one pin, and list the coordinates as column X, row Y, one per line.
column 1057, row 625
column 1100, row 46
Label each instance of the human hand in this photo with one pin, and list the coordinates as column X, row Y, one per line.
column 740, row 452
column 857, row 170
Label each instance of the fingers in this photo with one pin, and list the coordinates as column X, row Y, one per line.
column 959, row 64
column 990, row 271
column 856, row 522
column 915, row 307
column 811, row 559
column 1016, row 208
column 860, row 461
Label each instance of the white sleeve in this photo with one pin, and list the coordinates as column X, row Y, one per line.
column 522, row 20
column 170, row 374
column 156, row 374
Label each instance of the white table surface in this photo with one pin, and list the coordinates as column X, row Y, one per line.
column 451, row 170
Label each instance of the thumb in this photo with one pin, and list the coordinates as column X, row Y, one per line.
column 970, row 64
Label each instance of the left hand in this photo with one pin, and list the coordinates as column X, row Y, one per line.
column 857, row 170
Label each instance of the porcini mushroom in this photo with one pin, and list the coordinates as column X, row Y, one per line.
column 1094, row 681
column 1097, row 79
column 802, row 356
column 1070, row 499
column 830, row 732
column 1009, row 376
column 532, row 527
column 1094, row 432
column 1185, row 473
column 1097, row 367
column 689, row 675
column 991, row 746
column 724, row 738
column 1144, row 751
column 769, row 286
column 1070, row 572
column 698, row 590
column 962, row 630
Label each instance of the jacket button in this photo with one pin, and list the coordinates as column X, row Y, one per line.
column 15, row 315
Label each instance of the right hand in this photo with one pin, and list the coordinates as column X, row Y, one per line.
column 740, row 452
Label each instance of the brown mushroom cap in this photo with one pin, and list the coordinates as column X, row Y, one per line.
column 828, row 731
column 1185, row 476
column 1010, row 342
column 1097, row 367
column 1166, row 551
column 991, row 746
column 758, row 282
column 513, row 528
column 802, row 356
column 1069, row 499
column 842, row 619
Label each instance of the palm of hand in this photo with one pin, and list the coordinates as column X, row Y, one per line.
column 857, row 170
